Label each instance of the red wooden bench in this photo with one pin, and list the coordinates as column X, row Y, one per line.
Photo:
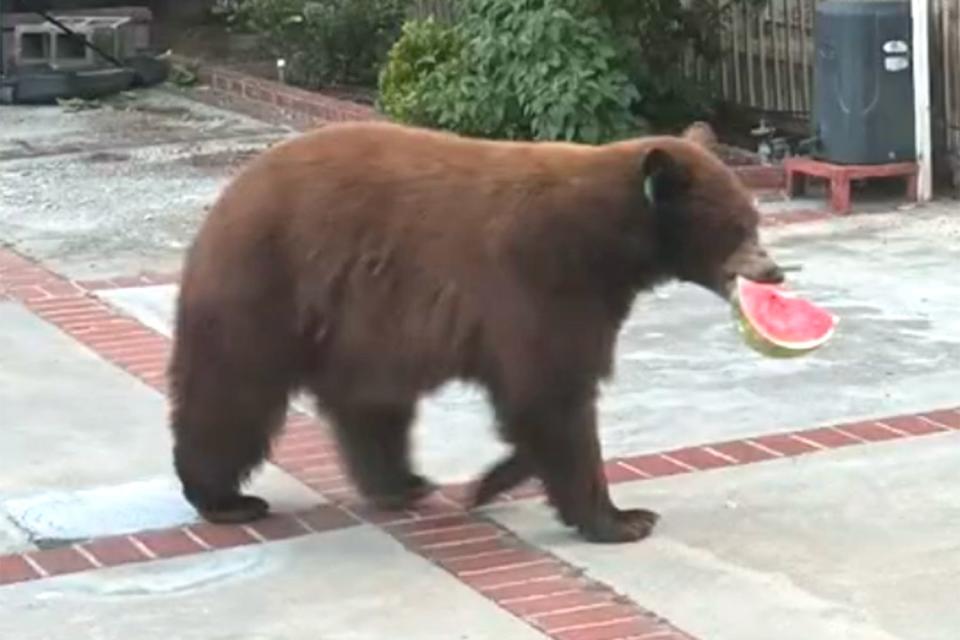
column 797, row 169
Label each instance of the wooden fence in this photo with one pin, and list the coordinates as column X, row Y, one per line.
column 945, row 65
column 768, row 56
column 442, row 10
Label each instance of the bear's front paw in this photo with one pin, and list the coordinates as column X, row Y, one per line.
column 615, row 526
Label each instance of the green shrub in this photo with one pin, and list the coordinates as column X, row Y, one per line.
column 423, row 46
column 532, row 69
column 326, row 42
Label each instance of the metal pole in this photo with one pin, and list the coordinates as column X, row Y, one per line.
column 921, row 93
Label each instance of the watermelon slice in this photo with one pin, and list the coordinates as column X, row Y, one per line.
column 777, row 323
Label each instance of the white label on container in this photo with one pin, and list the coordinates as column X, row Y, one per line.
column 895, row 46
column 895, row 63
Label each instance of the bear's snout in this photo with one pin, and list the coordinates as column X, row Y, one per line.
column 753, row 262
column 770, row 273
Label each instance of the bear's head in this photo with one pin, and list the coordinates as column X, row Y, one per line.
column 705, row 217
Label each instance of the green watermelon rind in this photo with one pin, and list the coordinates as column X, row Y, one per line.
column 768, row 346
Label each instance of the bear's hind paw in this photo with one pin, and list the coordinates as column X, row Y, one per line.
column 617, row 526
column 237, row 510
column 415, row 489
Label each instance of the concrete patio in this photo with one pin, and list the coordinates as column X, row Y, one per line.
column 849, row 541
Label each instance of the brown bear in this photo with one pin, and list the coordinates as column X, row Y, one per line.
column 371, row 263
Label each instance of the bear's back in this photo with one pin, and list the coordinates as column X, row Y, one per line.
column 425, row 193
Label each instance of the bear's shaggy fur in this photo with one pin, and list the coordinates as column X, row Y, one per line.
column 371, row 263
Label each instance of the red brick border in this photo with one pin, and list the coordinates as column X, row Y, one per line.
column 145, row 546
column 276, row 94
column 532, row 584
column 760, row 448
column 783, row 445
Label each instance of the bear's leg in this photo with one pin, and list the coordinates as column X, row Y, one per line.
column 223, row 418
column 559, row 436
column 375, row 442
column 503, row 476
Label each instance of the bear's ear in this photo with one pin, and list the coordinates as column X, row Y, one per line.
column 664, row 177
column 701, row 133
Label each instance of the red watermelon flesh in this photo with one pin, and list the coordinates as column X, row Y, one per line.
column 781, row 318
